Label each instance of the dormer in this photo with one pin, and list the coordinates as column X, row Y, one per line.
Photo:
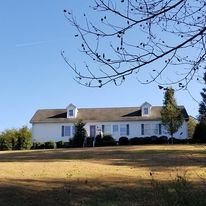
column 72, row 111
column 146, row 109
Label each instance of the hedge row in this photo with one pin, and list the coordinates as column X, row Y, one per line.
column 51, row 145
column 151, row 140
column 108, row 140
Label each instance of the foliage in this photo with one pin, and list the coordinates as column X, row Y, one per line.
column 80, row 134
column 38, row 145
column 171, row 34
column 191, row 127
column 199, row 135
column 136, row 141
column 123, row 141
column 16, row 139
column 162, row 140
column 50, row 145
column 89, row 142
column 24, row 139
column 98, row 140
column 105, row 140
column 171, row 115
column 60, row 144
column 202, row 105
column 108, row 140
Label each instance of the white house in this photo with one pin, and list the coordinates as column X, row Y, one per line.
column 58, row 124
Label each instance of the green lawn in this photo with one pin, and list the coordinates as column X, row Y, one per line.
column 108, row 176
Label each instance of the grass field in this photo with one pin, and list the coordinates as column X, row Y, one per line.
column 107, row 176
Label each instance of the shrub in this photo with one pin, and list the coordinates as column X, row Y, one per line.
column 89, row 142
column 23, row 143
column 98, row 141
column 162, row 140
column 123, row 141
column 6, row 143
column 38, row 145
column 153, row 140
column 108, row 140
column 60, row 144
column 50, row 145
column 137, row 141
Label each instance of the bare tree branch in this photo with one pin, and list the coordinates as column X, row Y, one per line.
column 160, row 41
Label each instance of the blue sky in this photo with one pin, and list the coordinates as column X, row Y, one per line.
column 34, row 76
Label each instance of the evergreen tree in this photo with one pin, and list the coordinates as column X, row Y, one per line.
column 171, row 115
column 202, row 105
column 200, row 130
column 80, row 134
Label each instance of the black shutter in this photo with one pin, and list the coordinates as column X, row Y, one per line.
column 160, row 129
column 103, row 128
column 127, row 129
column 62, row 131
column 142, row 129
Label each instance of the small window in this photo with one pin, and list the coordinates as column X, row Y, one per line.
column 71, row 112
column 146, row 110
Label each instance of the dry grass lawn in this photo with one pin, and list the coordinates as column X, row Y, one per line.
column 107, row 176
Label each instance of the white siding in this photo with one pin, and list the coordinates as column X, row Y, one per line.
column 43, row 132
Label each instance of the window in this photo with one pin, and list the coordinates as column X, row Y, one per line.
column 115, row 128
column 151, row 129
column 124, row 129
column 67, row 131
column 147, row 129
column 71, row 112
column 107, row 129
column 146, row 110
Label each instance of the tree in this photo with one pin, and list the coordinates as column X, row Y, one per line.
column 200, row 130
column 80, row 134
column 202, row 105
column 172, row 117
column 16, row 139
column 191, row 126
column 24, row 138
column 153, row 39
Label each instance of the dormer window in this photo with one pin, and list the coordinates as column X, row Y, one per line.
column 146, row 111
column 72, row 111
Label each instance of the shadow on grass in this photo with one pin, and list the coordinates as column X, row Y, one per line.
column 163, row 157
column 96, row 193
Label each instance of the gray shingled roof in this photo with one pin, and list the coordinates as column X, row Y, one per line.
column 99, row 115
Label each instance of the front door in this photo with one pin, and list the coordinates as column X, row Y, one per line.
column 92, row 131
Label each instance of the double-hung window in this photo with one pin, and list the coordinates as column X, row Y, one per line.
column 124, row 129
column 68, row 131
